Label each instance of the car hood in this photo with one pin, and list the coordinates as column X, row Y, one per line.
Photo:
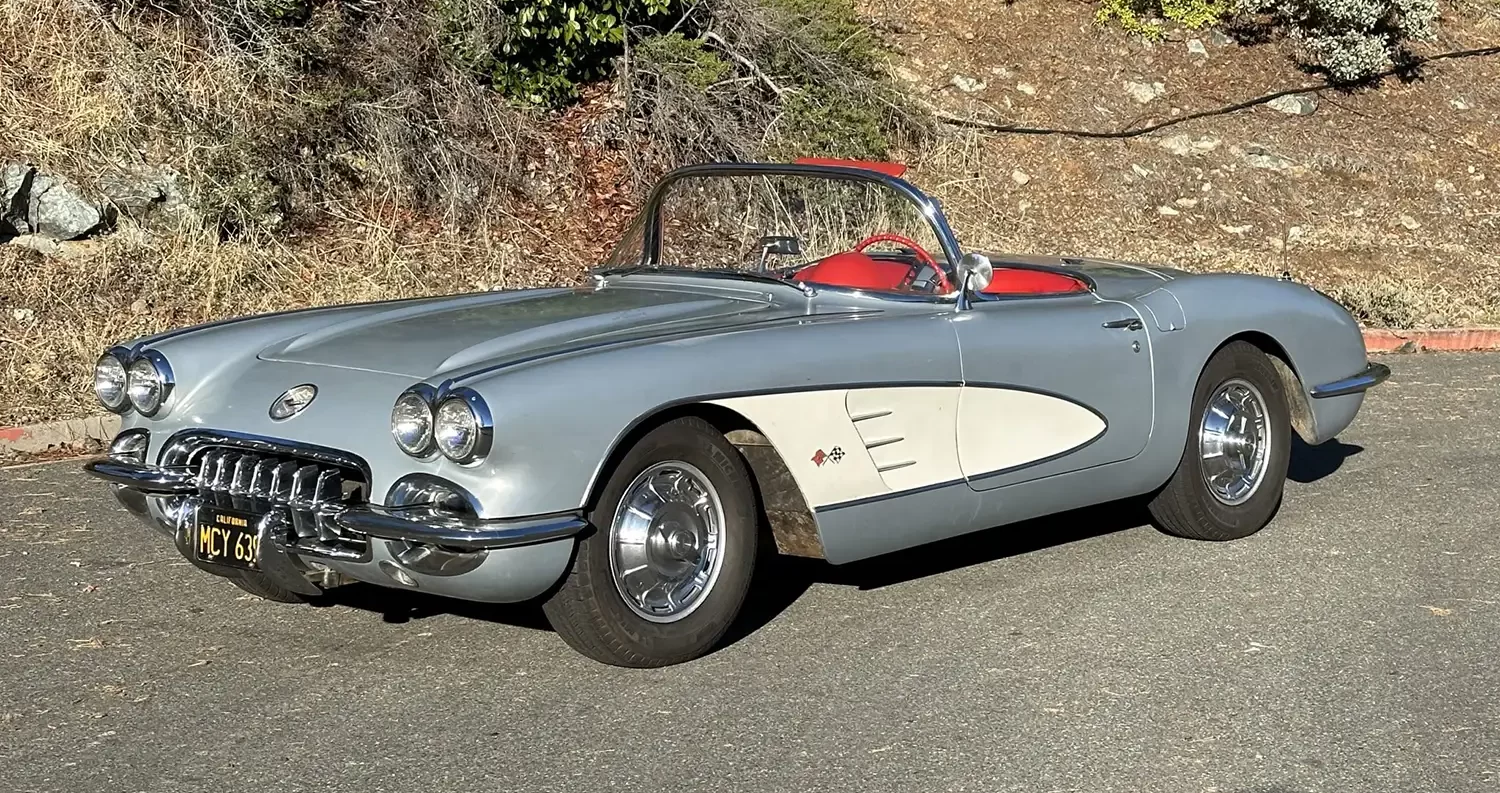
column 430, row 338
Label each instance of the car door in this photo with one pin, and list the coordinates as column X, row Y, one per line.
column 1051, row 385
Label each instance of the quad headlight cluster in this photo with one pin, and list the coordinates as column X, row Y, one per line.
column 456, row 424
column 142, row 381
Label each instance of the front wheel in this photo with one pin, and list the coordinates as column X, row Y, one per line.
column 665, row 572
column 1233, row 469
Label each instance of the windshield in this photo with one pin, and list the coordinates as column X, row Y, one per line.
column 813, row 229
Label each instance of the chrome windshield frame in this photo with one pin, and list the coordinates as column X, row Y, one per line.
column 651, row 235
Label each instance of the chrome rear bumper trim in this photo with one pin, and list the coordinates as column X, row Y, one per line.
column 1374, row 374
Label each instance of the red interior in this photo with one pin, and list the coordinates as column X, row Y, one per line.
column 856, row 271
column 859, row 271
column 1020, row 281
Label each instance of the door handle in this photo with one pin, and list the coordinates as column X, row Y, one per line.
column 1130, row 323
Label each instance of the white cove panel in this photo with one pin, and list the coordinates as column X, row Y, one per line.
column 908, row 433
column 1002, row 428
column 804, row 423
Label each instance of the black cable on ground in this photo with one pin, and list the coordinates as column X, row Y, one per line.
column 1017, row 129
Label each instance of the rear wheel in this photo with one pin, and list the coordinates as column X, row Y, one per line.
column 664, row 574
column 1233, row 469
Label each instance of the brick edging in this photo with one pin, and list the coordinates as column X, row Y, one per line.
column 1434, row 339
column 92, row 433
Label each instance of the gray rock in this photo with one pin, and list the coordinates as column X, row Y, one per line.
column 968, row 85
column 1219, row 39
column 1143, row 92
column 1187, row 146
column 15, row 185
column 58, row 209
column 138, row 192
column 1258, row 156
column 1195, row 47
column 1294, row 104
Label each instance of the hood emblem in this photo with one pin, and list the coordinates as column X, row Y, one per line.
column 293, row 401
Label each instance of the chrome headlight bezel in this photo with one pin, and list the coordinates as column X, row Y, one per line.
column 466, row 411
column 116, row 359
column 149, row 382
column 419, row 401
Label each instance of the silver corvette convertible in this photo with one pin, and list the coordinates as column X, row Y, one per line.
column 791, row 356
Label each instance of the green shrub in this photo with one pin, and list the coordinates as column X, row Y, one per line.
column 1351, row 39
column 540, row 50
column 823, row 121
column 1146, row 17
column 686, row 59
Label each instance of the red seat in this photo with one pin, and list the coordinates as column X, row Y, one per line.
column 856, row 271
column 1021, row 281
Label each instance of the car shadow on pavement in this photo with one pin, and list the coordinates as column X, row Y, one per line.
column 1311, row 463
column 784, row 579
column 399, row 606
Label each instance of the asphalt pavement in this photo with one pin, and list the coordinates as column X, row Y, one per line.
column 1354, row 645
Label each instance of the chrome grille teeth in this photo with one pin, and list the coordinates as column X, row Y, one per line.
column 329, row 488
column 296, row 494
column 260, row 478
column 281, row 482
column 303, row 482
column 246, row 476
column 242, row 471
column 223, row 473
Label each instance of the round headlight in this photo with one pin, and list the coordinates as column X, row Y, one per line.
column 411, row 424
column 148, row 381
column 109, row 383
column 462, row 427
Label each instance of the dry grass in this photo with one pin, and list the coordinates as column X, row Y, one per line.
column 265, row 123
column 60, row 313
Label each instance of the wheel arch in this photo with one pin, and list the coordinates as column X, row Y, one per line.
column 782, row 507
column 1299, row 406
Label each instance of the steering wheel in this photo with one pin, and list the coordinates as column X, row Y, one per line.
column 940, row 280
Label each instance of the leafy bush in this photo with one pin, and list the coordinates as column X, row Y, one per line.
column 540, row 50
column 1145, row 17
column 1351, row 39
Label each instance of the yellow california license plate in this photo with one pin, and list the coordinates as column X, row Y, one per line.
column 227, row 537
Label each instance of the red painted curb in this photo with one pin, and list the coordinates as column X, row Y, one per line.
column 1434, row 339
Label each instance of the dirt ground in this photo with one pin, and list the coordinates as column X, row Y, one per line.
column 1388, row 197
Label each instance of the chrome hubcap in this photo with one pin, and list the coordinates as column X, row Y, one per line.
column 665, row 542
column 1233, row 441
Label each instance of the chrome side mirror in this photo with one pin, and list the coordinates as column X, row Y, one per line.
column 975, row 271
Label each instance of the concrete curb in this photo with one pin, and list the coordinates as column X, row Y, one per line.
column 1436, row 339
column 92, row 434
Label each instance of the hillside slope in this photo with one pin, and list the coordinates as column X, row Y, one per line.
column 1388, row 196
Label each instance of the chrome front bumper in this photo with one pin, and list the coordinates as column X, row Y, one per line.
column 1372, row 375
column 421, row 525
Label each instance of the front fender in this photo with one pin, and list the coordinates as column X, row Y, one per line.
column 1320, row 340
